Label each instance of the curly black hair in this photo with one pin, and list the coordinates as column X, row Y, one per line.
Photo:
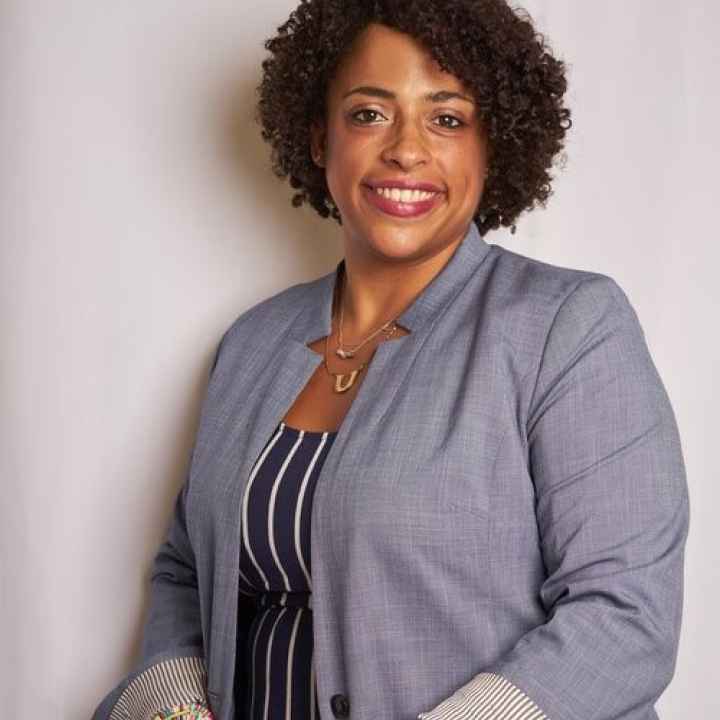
column 490, row 46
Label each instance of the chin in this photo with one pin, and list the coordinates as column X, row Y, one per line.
column 400, row 242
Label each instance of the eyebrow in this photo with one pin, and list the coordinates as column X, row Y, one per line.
column 435, row 97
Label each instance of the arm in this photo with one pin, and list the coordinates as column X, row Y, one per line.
column 613, row 514
column 170, row 676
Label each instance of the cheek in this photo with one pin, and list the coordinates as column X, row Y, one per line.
column 348, row 162
column 463, row 164
column 467, row 169
column 348, row 148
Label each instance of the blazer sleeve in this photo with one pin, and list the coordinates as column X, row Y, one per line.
column 170, row 675
column 612, row 509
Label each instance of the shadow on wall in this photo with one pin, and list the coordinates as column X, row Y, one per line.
column 315, row 243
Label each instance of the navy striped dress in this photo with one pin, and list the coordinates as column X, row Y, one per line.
column 275, row 573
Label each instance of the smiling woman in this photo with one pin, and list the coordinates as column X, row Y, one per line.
column 477, row 508
column 477, row 80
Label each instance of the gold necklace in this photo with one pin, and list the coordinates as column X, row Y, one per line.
column 340, row 351
column 344, row 381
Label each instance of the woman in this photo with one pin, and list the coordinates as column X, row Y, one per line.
column 445, row 480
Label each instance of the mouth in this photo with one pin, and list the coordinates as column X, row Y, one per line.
column 402, row 203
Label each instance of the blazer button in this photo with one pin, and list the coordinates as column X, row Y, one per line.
column 340, row 706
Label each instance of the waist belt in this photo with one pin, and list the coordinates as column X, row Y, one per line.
column 283, row 599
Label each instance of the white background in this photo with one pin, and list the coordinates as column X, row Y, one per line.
column 139, row 217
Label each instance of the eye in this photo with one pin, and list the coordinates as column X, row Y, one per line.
column 459, row 122
column 365, row 110
column 356, row 116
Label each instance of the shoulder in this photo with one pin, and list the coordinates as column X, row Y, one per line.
column 272, row 314
column 554, row 290
column 276, row 310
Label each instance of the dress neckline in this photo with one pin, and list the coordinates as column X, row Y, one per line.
column 297, row 431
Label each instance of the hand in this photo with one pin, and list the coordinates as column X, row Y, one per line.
column 191, row 711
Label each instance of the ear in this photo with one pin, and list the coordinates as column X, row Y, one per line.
column 318, row 144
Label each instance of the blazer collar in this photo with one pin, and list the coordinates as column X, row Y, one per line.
column 315, row 321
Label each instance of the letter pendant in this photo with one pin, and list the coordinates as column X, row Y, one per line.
column 341, row 385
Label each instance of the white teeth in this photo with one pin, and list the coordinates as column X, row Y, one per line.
column 407, row 196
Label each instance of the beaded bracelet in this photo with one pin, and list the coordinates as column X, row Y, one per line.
column 193, row 711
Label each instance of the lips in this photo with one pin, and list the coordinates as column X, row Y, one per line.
column 398, row 208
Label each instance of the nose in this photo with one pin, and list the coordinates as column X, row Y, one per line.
column 407, row 147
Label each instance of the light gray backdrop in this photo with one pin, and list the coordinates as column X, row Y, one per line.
column 138, row 218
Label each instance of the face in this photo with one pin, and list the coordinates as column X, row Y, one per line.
column 383, row 128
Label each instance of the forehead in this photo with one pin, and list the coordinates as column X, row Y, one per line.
column 383, row 56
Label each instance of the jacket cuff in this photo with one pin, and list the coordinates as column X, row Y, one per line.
column 172, row 688
column 486, row 697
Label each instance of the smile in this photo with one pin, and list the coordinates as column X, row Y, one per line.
column 402, row 203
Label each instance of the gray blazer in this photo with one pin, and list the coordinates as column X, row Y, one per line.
column 498, row 530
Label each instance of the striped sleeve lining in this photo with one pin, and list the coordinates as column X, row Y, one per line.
column 486, row 697
column 175, row 683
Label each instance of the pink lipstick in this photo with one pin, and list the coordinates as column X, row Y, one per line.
column 398, row 208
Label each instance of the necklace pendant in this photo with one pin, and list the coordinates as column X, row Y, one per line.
column 344, row 353
column 342, row 384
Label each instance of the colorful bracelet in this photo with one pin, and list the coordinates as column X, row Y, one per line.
column 193, row 711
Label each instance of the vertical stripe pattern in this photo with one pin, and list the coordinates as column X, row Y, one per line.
column 487, row 696
column 275, row 570
column 178, row 681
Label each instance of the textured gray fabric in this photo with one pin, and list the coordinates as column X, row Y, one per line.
column 506, row 495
